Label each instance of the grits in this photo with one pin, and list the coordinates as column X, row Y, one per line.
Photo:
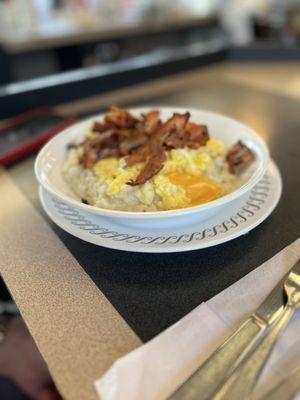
column 189, row 177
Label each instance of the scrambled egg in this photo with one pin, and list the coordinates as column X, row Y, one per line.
column 180, row 183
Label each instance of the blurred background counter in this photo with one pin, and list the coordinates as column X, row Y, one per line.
column 59, row 51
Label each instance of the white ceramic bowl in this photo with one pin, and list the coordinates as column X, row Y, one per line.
column 48, row 167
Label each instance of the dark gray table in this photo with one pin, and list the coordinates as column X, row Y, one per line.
column 152, row 291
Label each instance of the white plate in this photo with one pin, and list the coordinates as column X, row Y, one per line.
column 235, row 220
column 49, row 163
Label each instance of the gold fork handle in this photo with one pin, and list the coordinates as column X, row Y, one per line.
column 241, row 382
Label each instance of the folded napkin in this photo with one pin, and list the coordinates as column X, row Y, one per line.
column 158, row 367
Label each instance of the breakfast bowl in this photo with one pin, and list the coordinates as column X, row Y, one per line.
column 50, row 170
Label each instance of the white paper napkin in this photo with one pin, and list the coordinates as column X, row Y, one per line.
column 155, row 369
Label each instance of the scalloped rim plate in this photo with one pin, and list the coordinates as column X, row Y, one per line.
column 237, row 219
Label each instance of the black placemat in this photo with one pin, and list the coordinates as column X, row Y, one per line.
column 152, row 291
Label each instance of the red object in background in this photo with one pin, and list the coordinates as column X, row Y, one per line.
column 27, row 132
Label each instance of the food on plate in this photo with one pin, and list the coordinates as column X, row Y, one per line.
column 141, row 163
column 238, row 156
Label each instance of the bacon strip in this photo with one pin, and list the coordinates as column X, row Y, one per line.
column 140, row 140
column 129, row 144
column 153, row 166
column 100, row 127
column 139, row 155
column 238, row 156
column 120, row 118
column 197, row 135
column 151, row 122
column 89, row 158
column 175, row 126
column 155, row 148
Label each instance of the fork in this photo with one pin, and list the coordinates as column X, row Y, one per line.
column 243, row 379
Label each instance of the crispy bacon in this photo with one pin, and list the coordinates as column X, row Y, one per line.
column 106, row 139
column 175, row 126
column 100, row 126
column 153, row 166
column 129, row 144
column 107, row 153
column 120, row 118
column 151, row 122
column 238, row 156
column 141, row 140
column 174, row 131
column 197, row 135
column 89, row 158
column 96, row 148
column 154, row 149
column 139, row 155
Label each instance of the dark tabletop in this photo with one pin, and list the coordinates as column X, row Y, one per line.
column 152, row 291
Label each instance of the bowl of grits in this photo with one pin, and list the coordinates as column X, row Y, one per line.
column 152, row 164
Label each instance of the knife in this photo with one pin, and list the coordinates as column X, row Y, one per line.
column 210, row 376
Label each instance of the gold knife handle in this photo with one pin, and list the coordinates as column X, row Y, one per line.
column 242, row 381
column 208, row 378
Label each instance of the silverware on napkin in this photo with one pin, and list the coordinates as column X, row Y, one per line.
column 220, row 365
column 243, row 379
column 286, row 389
